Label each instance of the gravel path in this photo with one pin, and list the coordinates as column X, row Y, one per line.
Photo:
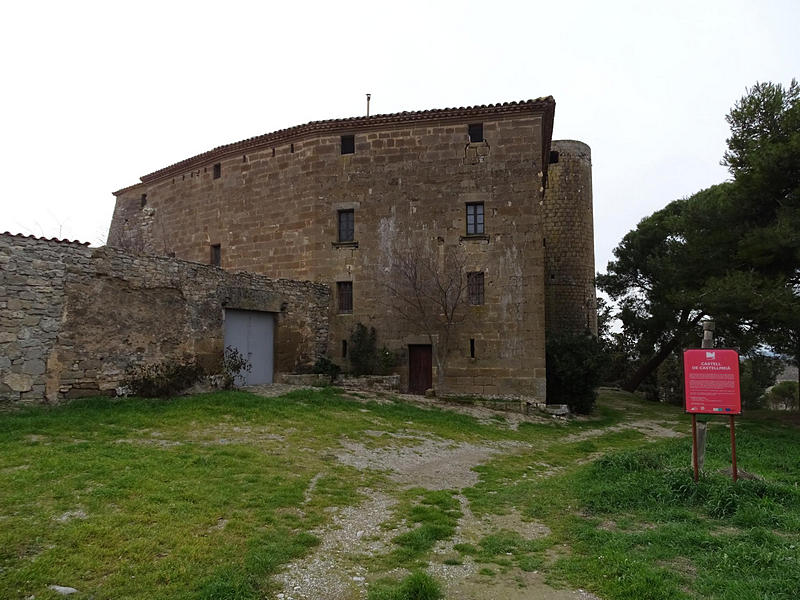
column 337, row 569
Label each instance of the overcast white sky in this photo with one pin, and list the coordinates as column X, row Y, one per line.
column 96, row 94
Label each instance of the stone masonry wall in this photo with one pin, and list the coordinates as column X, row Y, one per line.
column 569, row 240
column 75, row 318
column 273, row 210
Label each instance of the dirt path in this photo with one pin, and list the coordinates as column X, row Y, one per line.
column 338, row 569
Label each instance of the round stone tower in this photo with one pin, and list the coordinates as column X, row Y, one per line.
column 570, row 301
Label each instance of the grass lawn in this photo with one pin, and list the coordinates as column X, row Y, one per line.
column 209, row 496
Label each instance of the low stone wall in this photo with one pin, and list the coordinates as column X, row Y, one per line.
column 73, row 319
column 378, row 383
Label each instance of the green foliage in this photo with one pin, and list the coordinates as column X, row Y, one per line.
column 756, row 374
column 416, row 586
column 731, row 252
column 363, row 350
column 784, row 394
column 574, row 367
column 436, row 515
column 233, row 365
column 365, row 358
column 162, row 380
column 325, row 366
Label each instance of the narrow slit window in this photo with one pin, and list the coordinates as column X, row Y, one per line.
column 291, row 148
column 348, row 144
column 475, row 288
column 472, row 347
column 475, row 131
column 144, row 200
column 475, row 218
column 344, row 348
column 217, row 171
column 344, row 293
column 347, row 225
column 216, row 255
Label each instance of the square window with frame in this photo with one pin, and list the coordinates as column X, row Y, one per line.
column 475, row 224
column 344, row 296
column 347, row 225
column 475, row 288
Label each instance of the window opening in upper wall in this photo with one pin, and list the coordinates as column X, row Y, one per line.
column 217, row 171
column 347, row 225
column 348, row 144
column 472, row 347
column 216, row 255
column 475, row 288
column 475, row 132
column 553, row 157
column 291, row 148
column 344, row 293
column 144, row 200
column 475, row 218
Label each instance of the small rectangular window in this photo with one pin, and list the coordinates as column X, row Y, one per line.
column 216, row 255
column 475, row 218
column 217, row 171
column 472, row 347
column 347, row 225
column 348, row 144
column 475, row 288
column 553, row 157
column 344, row 348
column 475, row 132
column 144, row 200
column 344, row 294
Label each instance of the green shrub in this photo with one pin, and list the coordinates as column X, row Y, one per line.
column 162, row 380
column 325, row 366
column 417, row 586
column 784, row 394
column 574, row 365
column 233, row 364
column 363, row 350
column 365, row 358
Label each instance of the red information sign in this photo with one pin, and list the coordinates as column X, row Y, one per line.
column 711, row 378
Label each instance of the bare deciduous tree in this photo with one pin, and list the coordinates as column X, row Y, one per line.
column 427, row 288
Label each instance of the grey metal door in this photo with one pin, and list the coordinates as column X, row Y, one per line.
column 252, row 334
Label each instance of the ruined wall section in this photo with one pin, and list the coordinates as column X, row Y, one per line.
column 571, row 305
column 274, row 209
column 74, row 319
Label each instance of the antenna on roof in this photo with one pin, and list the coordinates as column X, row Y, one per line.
column 368, row 97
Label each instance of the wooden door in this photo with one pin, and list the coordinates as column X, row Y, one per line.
column 420, row 369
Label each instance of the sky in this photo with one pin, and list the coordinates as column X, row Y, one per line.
column 97, row 94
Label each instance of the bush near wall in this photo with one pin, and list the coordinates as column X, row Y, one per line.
column 574, row 366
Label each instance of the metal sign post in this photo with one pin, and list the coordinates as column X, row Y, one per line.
column 711, row 386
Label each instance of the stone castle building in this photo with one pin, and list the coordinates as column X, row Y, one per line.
column 482, row 190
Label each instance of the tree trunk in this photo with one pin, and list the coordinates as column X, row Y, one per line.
column 651, row 365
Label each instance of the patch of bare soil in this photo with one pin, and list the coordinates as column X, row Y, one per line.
column 520, row 585
column 431, row 463
column 650, row 430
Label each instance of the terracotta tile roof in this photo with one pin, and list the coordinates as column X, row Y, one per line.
column 44, row 239
column 352, row 124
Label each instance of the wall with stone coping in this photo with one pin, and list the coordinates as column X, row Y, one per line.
column 74, row 318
